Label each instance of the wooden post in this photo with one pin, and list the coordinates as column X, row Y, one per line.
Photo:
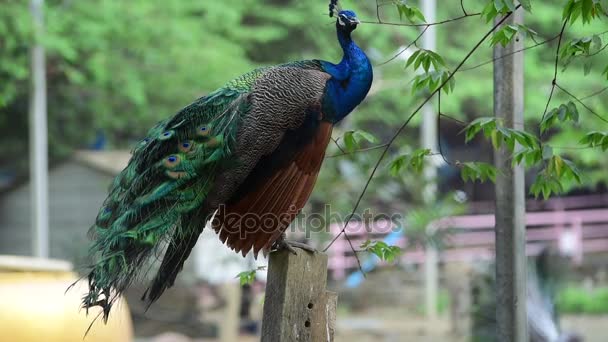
column 510, row 199
column 229, row 324
column 38, row 138
column 429, row 140
column 297, row 306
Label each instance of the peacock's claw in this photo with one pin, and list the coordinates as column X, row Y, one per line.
column 291, row 246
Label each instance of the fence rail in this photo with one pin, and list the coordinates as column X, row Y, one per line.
column 471, row 237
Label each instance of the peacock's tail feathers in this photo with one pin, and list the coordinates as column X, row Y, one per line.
column 169, row 175
column 164, row 196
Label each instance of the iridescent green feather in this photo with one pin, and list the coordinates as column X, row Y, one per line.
column 168, row 177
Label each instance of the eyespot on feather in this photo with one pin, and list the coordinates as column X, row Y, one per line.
column 166, row 135
column 104, row 213
column 102, row 218
column 185, row 146
column 203, row 131
column 172, row 161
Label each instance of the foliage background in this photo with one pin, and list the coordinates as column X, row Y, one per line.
column 114, row 68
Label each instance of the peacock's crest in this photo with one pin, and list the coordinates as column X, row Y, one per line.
column 334, row 8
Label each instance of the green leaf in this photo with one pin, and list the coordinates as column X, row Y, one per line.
column 495, row 7
column 432, row 80
column 526, row 5
column 483, row 123
column 551, row 179
column 504, row 35
column 565, row 112
column 353, row 139
column 595, row 139
column 585, row 9
column 248, row 277
column 545, row 185
column 382, row 250
column 530, row 156
column 414, row 161
column 412, row 13
column 426, row 58
column 477, row 170
column 398, row 164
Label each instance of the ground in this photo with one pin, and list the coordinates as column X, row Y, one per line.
column 390, row 325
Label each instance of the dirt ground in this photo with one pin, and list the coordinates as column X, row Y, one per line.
column 387, row 326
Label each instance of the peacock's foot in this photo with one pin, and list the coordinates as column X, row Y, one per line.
column 284, row 244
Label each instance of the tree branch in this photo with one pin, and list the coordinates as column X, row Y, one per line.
column 345, row 153
column 581, row 102
column 379, row 22
column 594, row 93
column 511, row 53
column 407, row 121
column 405, row 48
column 464, row 11
column 553, row 82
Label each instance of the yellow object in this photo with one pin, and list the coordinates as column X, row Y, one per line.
column 34, row 305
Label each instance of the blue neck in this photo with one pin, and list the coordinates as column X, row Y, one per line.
column 350, row 81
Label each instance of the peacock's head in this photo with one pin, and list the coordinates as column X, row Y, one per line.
column 346, row 19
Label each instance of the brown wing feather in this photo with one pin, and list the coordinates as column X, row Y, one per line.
column 241, row 224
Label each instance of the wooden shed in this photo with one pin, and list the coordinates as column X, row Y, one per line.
column 77, row 188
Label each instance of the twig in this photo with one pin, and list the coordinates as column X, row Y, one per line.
column 344, row 153
column 378, row 11
column 581, row 102
column 453, row 119
column 511, row 53
column 406, row 48
column 421, row 25
column 594, row 93
column 439, row 130
column 338, row 145
column 573, row 147
column 464, row 11
column 407, row 121
column 553, row 82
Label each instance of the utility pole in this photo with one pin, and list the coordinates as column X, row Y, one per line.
column 38, row 138
column 429, row 141
column 510, row 198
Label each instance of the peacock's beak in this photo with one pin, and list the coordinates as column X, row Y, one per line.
column 355, row 21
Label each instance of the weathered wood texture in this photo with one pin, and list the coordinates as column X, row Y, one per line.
column 297, row 306
column 510, row 195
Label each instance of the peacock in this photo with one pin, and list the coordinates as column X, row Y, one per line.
column 243, row 159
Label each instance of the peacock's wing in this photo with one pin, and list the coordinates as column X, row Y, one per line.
column 278, row 186
column 191, row 164
column 274, row 193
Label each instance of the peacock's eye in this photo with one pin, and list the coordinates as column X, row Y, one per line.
column 203, row 131
column 172, row 161
column 185, row 146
